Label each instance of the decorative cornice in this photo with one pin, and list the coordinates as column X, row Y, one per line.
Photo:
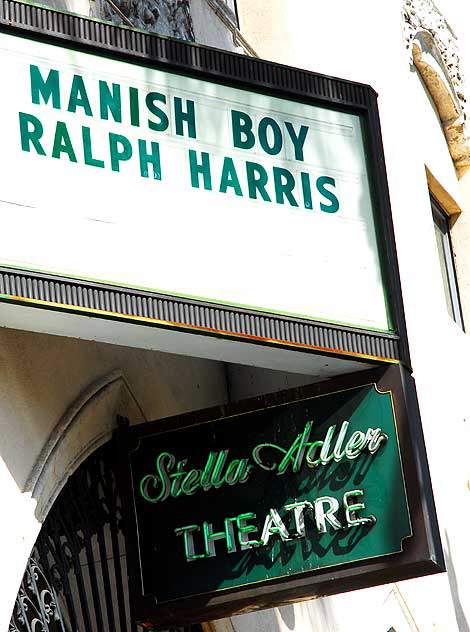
column 433, row 49
column 171, row 18
column 86, row 424
column 422, row 15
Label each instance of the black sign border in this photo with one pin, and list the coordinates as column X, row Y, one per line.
column 422, row 553
column 58, row 293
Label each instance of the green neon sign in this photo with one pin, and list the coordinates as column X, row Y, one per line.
column 174, row 478
column 271, row 493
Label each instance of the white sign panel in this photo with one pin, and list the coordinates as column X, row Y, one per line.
column 147, row 179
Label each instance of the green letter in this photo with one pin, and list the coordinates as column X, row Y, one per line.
column 153, row 158
column 78, row 96
column 331, row 197
column 198, row 169
column 163, row 122
column 118, row 156
column 242, row 124
column 325, row 458
column 111, row 102
column 284, row 188
column 87, row 153
column 244, row 529
column 356, row 444
column 297, row 141
column 299, row 508
column 352, row 518
column 186, row 532
column 177, row 478
column 276, row 146
column 210, row 537
column 192, row 482
column 161, row 479
column 187, row 117
column 257, row 179
column 324, row 515
column 273, row 525
column 306, row 190
column 238, row 471
column 134, row 106
column 45, row 89
column 294, row 456
column 217, row 478
column 229, row 177
column 311, row 462
column 62, row 143
column 375, row 439
column 31, row 136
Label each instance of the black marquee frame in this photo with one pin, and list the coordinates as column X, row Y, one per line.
column 75, row 296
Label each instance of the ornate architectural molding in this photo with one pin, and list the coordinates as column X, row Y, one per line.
column 165, row 17
column 85, row 425
column 433, row 49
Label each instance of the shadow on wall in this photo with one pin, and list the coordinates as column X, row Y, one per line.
column 305, row 616
column 287, row 615
column 454, row 588
column 264, row 621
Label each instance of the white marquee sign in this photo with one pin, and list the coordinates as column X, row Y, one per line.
column 141, row 178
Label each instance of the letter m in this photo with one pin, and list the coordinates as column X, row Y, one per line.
column 45, row 88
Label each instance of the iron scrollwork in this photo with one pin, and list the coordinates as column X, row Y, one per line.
column 37, row 606
column 76, row 579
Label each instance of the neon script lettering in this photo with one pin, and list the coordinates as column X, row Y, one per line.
column 175, row 481
column 173, row 478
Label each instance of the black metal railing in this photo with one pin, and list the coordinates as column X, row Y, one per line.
column 76, row 577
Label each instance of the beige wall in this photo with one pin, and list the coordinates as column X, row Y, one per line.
column 266, row 28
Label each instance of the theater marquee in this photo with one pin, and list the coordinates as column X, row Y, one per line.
column 198, row 188
column 143, row 161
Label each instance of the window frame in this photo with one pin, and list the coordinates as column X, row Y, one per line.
column 441, row 221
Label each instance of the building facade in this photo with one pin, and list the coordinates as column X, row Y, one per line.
column 69, row 369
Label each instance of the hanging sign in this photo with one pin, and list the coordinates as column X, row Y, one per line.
column 275, row 493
